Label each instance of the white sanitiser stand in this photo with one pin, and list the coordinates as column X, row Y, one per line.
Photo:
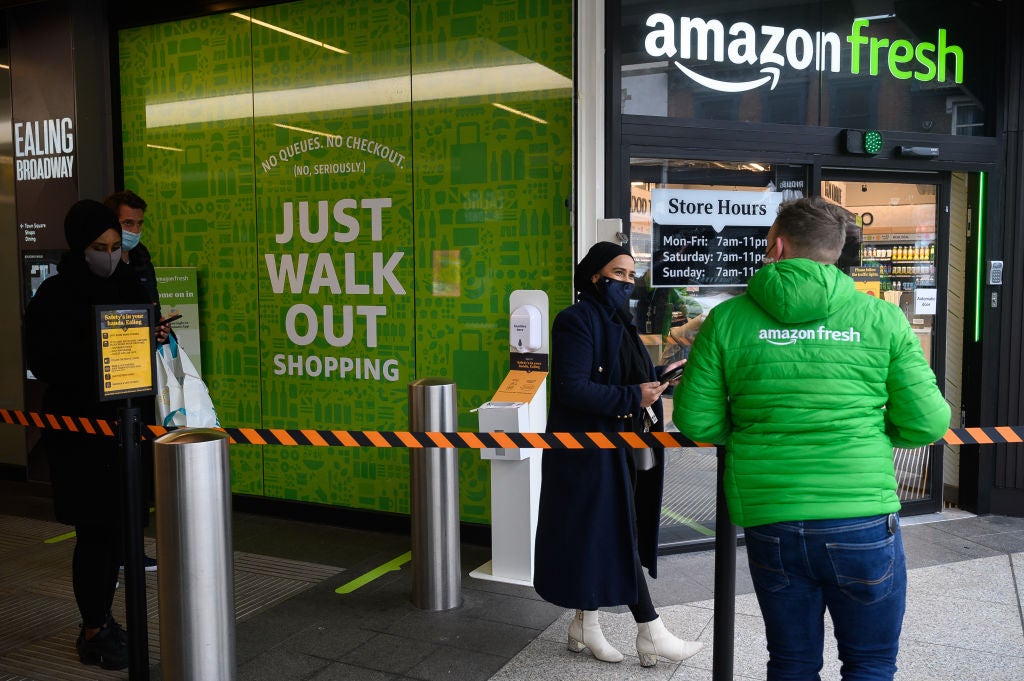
column 519, row 405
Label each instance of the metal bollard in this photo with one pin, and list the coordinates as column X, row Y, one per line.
column 434, row 499
column 193, row 529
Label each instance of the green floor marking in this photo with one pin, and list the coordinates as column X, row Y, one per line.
column 365, row 579
column 689, row 522
column 59, row 538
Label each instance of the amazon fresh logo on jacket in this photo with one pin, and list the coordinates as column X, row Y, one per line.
column 767, row 49
column 791, row 336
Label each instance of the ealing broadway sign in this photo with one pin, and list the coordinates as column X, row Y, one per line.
column 770, row 48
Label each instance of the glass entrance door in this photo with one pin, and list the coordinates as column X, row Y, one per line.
column 897, row 258
column 687, row 265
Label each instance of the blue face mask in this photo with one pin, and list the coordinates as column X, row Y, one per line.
column 616, row 292
column 130, row 240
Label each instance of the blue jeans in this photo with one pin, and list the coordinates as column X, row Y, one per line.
column 856, row 568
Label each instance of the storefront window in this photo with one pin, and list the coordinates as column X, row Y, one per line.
column 360, row 185
column 895, row 65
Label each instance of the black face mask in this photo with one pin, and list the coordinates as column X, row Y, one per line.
column 616, row 292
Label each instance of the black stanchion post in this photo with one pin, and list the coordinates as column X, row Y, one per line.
column 129, row 432
column 725, row 582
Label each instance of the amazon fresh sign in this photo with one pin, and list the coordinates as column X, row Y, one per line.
column 702, row 43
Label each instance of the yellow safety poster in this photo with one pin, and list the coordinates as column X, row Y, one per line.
column 125, row 351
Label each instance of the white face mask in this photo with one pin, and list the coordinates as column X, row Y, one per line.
column 100, row 263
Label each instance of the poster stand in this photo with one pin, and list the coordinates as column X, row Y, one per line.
column 124, row 350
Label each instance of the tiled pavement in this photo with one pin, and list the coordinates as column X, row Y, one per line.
column 963, row 620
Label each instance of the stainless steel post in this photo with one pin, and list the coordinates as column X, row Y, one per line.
column 434, row 499
column 193, row 529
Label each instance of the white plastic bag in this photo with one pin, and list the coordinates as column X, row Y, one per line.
column 181, row 398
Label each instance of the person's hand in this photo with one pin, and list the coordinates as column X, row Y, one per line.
column 162, row 332
column 688, row 331
column 651, row 393
column 669, row 367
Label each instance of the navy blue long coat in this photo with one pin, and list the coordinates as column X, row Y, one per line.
column 586, row 548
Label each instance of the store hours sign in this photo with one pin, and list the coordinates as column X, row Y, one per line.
column 704, row 237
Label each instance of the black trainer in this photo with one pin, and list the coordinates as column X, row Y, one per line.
column 108, row 648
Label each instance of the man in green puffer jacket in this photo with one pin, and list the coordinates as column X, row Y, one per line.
column 810, row 384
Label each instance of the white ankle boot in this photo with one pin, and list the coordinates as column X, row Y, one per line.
column 653, row 640
column 585, row 632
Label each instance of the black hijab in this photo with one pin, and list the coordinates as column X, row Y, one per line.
column 632, row 355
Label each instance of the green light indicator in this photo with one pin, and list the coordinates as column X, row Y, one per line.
column 872, row 142
column 862, row 142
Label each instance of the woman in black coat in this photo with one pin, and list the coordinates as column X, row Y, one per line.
column 600, row 508
column 61, row 351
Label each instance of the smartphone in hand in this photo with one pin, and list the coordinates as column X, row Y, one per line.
column 165, row 322
column 672, row 374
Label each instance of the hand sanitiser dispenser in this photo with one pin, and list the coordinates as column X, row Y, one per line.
column 518, row 406
column 526, row 329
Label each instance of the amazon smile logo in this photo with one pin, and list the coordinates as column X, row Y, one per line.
column 770, row 49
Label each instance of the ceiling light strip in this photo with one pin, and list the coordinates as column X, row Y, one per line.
column 517, row 112
column 293, row 34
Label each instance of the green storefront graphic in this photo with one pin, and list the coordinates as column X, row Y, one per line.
column 359, row 202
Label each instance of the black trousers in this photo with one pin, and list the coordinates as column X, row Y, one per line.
column 94, row 568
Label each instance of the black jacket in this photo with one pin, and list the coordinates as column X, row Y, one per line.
column 61, row 351
column 142, row 264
